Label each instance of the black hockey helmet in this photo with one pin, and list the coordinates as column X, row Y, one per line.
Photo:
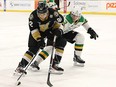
column 42, row 7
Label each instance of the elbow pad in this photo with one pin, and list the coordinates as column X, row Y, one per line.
column 36, row 35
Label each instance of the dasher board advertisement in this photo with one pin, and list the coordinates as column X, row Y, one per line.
column 19, row 5
column 1, row 5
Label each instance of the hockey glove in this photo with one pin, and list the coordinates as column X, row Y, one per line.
column 41, row 43
column 58, row 32
column 92, row 33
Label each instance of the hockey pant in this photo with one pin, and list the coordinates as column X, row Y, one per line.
column 33, row 48
column 77, row 38
column 59, row 47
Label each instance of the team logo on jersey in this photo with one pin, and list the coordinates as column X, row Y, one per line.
column 44, row 27
column 31, row 17
column 56, row 14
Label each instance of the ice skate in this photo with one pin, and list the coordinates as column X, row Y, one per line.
column 56, row 69
column 78, row 61
column 34, row 66
column 19, row 70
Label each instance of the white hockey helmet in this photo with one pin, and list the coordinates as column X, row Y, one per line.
column 76, row 11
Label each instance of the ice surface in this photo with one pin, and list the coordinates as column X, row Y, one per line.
column 100, row 55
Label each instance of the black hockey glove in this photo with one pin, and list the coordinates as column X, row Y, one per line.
column 41, row 43
column 92, row 33
column 58, row 32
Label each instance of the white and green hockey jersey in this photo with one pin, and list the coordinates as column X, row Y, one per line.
column 69, row 25
column 51, row 3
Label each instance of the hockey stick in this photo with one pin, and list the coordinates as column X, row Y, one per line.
column 64, row 6
column 18, row 82
column 51, row 61
column 61, row 7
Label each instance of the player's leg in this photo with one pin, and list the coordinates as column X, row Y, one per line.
column 26, row 59
column 40, row 58
column 44, row 53
column 79, row 43
column 33, row 49
column 60, row 44
column 78, row 39
column 59, row 47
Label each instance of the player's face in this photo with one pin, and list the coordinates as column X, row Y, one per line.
column 75, row 18
column 43, row 16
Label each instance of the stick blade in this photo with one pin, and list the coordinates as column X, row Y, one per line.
column 17, row 83
column 49, row 84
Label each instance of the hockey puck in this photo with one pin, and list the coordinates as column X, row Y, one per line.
column 18, row 83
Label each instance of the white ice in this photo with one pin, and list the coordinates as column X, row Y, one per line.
column 100, row 55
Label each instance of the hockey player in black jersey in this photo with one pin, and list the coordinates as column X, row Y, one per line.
column 43, row 23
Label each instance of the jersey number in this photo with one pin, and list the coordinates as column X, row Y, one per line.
column 31, row 23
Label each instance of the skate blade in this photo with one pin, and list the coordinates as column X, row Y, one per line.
column 33, row 69
column 18, row 74
column 53, row 71
column 78, row 64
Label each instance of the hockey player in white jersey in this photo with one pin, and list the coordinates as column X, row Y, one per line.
column 51, row 3
column 73, row 21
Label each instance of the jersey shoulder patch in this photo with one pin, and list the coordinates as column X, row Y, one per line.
column 82, row 19
column 69, row 19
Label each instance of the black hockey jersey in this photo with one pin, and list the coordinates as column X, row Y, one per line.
column 39, row 27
